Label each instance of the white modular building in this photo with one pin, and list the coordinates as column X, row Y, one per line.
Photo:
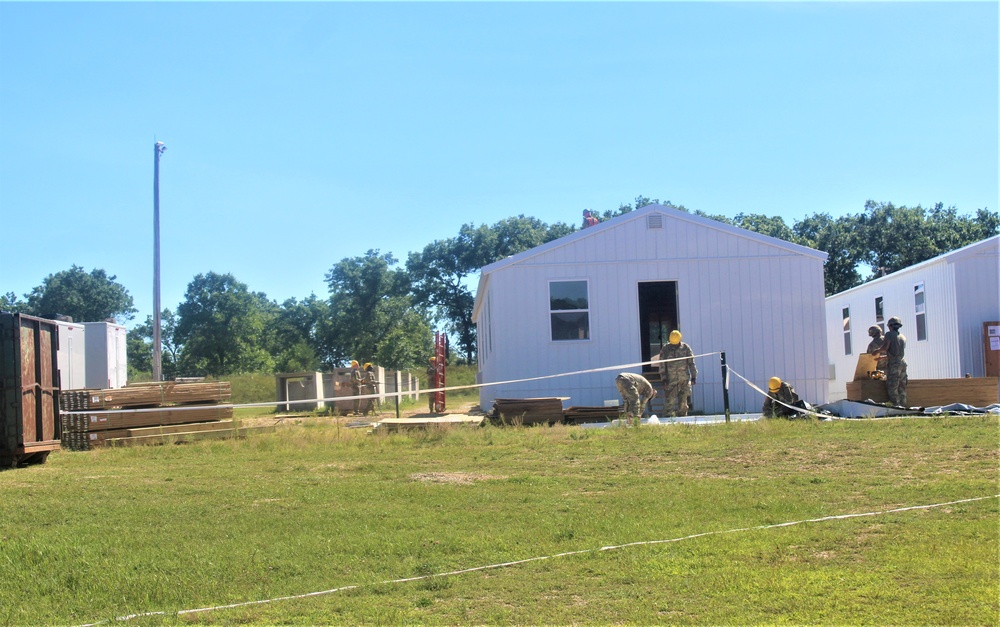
column 604, row 299
column 107, row 357
column 946, row 305
column 72, row 355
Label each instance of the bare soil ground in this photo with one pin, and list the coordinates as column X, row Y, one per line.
column 466, row 408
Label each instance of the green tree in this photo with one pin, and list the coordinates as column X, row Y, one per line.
column 86, row 297
column 223, row 327
column 140, row 346
column 297, row 334
column 838, row 239
column 892, row 238
column 372, row 315
column 10, row 304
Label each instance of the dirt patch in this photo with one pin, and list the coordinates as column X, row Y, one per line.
column 461, row 478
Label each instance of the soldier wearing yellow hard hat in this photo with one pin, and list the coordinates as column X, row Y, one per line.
column 678, row 373
column 778, row 390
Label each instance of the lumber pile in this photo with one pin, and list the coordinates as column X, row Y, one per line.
column 976, row 391
column 580, row 415
column 527, row 411
column 147, row 413
column 146, row 395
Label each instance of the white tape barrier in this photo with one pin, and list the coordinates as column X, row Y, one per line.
column 774, row 400
column 538, row 559
column 389, row 394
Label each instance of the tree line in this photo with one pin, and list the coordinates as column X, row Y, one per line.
column 382, row 310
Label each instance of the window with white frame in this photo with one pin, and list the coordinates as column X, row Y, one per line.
column 920, row 309
column 569, row 310
column 879, row 313
column 847, row 330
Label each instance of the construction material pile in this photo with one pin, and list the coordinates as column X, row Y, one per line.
column 581, row 415
column 147, row 413
column 527, row 411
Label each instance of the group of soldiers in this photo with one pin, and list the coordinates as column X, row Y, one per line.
column 363, row 381
column 889, row 351
column 678, row 374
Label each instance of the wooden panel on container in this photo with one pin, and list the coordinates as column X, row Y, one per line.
column 45, row 428
column 29, row 382
column 978, row 392
column 991, row 348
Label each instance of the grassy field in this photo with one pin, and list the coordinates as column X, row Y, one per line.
column 91, row 536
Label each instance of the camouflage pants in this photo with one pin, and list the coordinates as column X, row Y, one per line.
column 635, row 403
column 675, row 398
column 895, row 382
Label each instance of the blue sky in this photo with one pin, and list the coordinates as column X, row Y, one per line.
column 302, row 134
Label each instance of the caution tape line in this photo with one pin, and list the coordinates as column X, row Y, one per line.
column 538, row 559
column 387, row 394
column 774, row 400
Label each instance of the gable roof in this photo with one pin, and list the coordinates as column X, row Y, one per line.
column 948, row 257
column 641, row 213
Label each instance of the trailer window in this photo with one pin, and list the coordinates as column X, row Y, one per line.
column 569, row 310
column 847, row 330
column 920, row 309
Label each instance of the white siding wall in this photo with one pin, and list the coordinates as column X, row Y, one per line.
column 937, row 357
column 977, row 285
column 760, row 302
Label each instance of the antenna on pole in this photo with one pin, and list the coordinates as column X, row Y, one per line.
column 158, row 149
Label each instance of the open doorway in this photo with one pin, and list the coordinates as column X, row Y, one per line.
column 657, row 316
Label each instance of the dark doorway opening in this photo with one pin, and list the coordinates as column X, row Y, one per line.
column 657, row 317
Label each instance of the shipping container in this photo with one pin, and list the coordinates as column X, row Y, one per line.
column 107, row 359
column 29, row 389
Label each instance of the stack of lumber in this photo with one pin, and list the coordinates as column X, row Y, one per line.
column 527, row 411
column 149, row 412
column 580, row 415
column 977, row 391
column 146, row 395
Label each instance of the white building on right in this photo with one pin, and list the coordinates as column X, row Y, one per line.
column 950, row 309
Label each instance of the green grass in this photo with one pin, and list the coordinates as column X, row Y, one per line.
column 95, row 535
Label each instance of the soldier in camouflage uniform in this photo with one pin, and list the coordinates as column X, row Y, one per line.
column 894, row 348
column 636, row 391
column 875, row 347
column 677, row 375
column 357, row 380
column 778, row 390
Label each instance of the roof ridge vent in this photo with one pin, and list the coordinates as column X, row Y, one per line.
column 654, row 221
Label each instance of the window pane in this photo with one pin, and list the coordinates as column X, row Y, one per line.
column 921, row 328
column 879, row 311
column 571, row 326
column 568, row 295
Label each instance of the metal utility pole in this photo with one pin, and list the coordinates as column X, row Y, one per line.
column 158, row 149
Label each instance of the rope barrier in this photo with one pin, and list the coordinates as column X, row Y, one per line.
column 399, row 394
column 774, row 400
column 528, row 560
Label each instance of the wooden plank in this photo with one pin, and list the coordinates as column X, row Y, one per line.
column 978, row 391
column 169, row 438
column 146, row 395
column 134, row 419
column 182, row 428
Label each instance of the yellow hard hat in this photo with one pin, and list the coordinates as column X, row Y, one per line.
column 675, row 337
column 367, row 365
column 354, row 363
column 774, row 384
column 433, row 358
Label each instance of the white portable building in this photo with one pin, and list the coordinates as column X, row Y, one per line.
column 107, row 358
column 607, row 296
column 72, row 356
column 943, row 303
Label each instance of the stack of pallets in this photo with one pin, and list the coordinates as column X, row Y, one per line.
column 527, row 411
column 581, row 415
column 147, row 413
